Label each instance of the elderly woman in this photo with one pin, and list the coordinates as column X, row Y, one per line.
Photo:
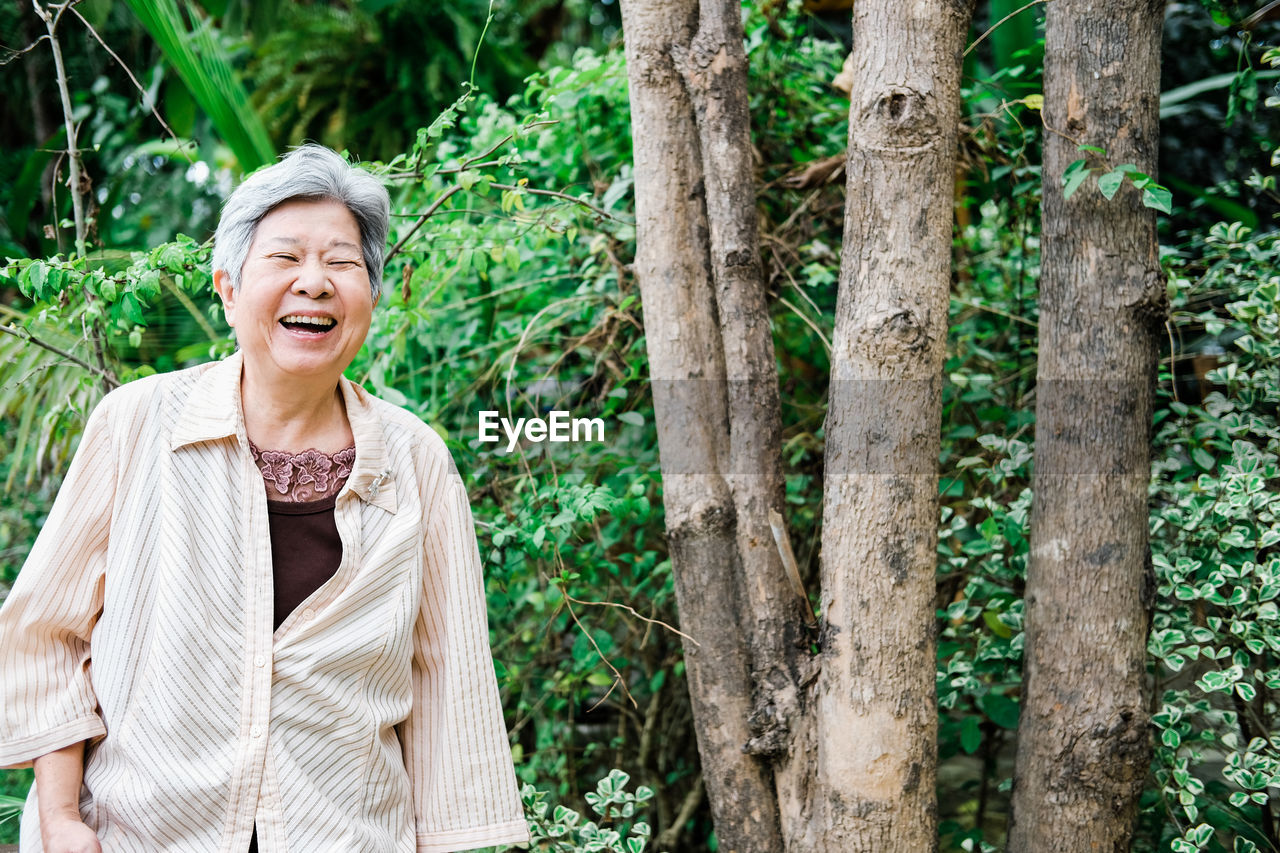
column 255, row 615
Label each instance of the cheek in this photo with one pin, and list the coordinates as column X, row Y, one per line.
column 360, row 306
column 360, row 326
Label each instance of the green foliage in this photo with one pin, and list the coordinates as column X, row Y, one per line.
column 204, row 66
column 1215, row 528
column 10, row 807
column 364, row 75
column 1111, row 179
column 616, row 829
column 1210, row 72
column 14, row 785
column 983, row 536
column 145, row 190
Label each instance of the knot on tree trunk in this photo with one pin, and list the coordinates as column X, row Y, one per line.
column 905, row 330
column 1093, row 756
column 897, row 118
column 709, row 53
column 776, row 702
column 770, row 729
column 897, row 334
column 1151, row 308
column 711, row 518
column 655, row 66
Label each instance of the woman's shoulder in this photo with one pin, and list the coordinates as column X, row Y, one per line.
column 147, row 394
column 405, row 428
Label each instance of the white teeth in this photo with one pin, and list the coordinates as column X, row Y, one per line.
column 314, row 321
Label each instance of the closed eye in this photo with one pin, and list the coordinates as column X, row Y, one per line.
column 283, row 256
column 344, row 263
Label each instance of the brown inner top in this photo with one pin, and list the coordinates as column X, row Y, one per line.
column 306, row 550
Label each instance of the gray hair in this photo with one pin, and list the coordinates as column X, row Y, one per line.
column 309, row 172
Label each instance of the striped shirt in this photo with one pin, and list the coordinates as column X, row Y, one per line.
column 142, row 622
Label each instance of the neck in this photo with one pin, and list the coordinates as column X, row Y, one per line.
column 293, row 416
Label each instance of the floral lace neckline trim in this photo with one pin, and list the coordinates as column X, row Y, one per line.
column 300, row 477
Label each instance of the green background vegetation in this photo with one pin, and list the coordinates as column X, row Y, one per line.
column 512, row 299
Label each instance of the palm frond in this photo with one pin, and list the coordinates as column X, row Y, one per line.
column 10, row 807
column 203, row 65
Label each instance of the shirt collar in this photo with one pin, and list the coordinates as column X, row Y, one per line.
column 213, row 411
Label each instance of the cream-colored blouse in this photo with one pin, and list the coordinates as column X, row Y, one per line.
column 369, row 721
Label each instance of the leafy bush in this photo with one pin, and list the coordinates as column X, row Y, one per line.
column 615, row 831
column 1215, row 522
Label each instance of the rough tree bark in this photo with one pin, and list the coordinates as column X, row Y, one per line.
column 715, row 76
column 876, row 701
column 848, row 765
column 1083, row 736
column 716, row 399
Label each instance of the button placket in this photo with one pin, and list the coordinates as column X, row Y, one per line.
column 257, row 588
column 262, row 643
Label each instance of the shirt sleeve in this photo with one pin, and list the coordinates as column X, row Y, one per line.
column 455, row 741
column 46, row 691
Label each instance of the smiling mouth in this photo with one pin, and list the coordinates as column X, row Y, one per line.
column 308, row 325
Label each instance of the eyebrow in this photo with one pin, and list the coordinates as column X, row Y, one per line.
column 294, row 241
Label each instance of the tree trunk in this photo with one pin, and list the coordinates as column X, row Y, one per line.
column 876, row 702
column 1083, row 748
column 715, row 393
column 716, row 78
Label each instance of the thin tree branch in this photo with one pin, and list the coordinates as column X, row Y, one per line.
column 532, row 191
column 475, row 160
column 805, row 319
column 650, row 724
column 181, row 146
column 633, row 612
column 980, row 307
column 467, row 163
column 14, row 54
column 453, row 170
column 670, row 836
column 617, row 676
column 997, row 24
column 77, row 204
column 107, row 376
column 445, row 196
column 73, row 155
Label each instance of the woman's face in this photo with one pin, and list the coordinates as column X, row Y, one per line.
column 303, row 307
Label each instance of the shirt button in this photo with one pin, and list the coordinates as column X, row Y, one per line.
column 259, row 661
column 255, row 731
column 308, row 614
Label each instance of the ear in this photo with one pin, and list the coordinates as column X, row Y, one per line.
column 222, row 284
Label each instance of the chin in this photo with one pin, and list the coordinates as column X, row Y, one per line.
column 314, row 369
column 300, row 367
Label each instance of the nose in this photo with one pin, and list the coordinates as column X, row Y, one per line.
column 313, row 280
